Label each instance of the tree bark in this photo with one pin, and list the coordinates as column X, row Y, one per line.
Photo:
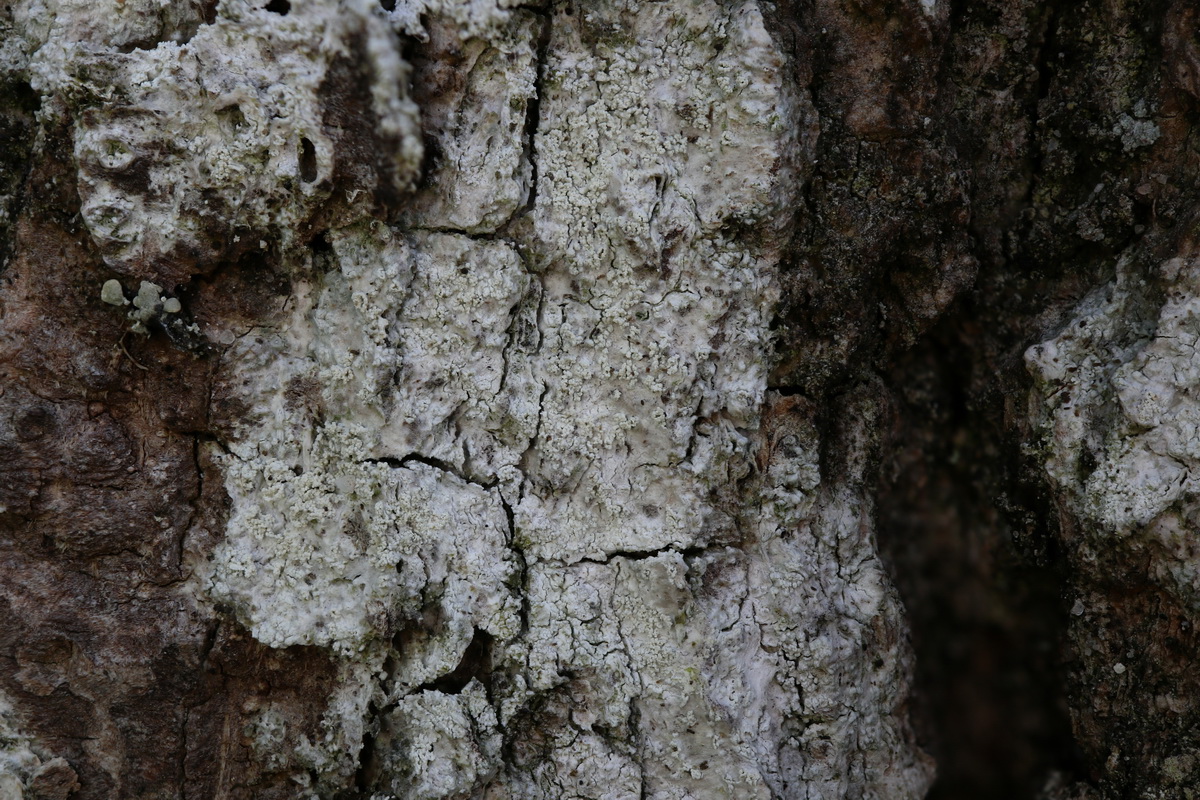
column 508, row 399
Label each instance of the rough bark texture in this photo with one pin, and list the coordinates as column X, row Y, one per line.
column 505, row 399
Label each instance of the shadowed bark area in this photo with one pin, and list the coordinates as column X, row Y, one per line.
column 984, row 597
column 1067, row 133
column 530, row 421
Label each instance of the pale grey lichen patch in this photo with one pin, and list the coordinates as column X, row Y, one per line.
column 776, row 669
column 343, row 532
column 558, row 752
column 542, row 444
column 438, row 745
column 466, row 336
column 690, row 744
column 834, row 625
column 1119, row 421
column 475, row 19
column 49, row 34
column 829, row 630
column 328, row 522
column 664, row 129
column 351, row 547
column 17, row 761
column 641, row 717
column 333, row 757
column 321, row 762
column 1135, row 133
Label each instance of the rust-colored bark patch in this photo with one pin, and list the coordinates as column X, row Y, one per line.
column 108, row 498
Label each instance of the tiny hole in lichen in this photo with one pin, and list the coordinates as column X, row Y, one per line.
column 232, row 117
column 320, row 244
column 388, row 5
column 476, row 664
column 322, row 252
column 148, row 43
column 208, row 11
column 308, row 161
column 280, row 7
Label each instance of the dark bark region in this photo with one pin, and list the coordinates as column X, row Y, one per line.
column 978, row 176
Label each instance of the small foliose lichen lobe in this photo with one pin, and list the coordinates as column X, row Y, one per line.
column 246, row 136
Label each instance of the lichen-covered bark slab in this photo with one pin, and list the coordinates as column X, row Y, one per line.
column 442, row 435
column 581, row 398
